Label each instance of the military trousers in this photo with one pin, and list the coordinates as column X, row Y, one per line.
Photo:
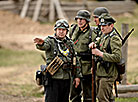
column 104, row 87
column 57, row 91
column 83, row 91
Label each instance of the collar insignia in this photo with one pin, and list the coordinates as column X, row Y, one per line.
column 102, row 20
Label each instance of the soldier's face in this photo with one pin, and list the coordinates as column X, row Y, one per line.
column 96, row 20
column 106, row 28
column 81, row 22
column 61, row 33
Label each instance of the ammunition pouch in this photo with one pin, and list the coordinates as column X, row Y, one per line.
column 105, row 64
column 39, row 77
column 42, row 77
column 85, row 56
column 54, row 65
column 67, row 66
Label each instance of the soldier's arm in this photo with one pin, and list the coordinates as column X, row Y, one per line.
column 78, row 75
column 44, row 45
column 78, row 69
column 116, row 45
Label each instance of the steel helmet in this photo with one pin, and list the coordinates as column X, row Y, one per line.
column 62, row 23
column 83, row 14
column 100, row 10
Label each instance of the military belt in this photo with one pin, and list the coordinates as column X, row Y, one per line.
column 67, row 66
column 85, row 56
column 104, row 77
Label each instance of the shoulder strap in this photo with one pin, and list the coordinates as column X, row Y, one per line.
column 118, row 34
column 90, row 35
column 108, row 46
column 73, row 29
column 55, row 45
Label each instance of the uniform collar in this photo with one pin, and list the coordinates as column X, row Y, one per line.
column 85, row 30
column 109, row 34
column 61, row 41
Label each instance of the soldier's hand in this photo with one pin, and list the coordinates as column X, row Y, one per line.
column 38, row 41
column 92, row 45
column 76, row 82
column 92, row 70
column 97, row 52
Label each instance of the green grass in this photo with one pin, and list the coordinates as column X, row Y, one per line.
column 22, row 90
column 126, row 100
column 18, row 58
column 10, row 57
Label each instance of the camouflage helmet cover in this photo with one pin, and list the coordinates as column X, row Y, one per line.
column 106, row 19
column 84, row 14
column 62, row 23
column 100, row 10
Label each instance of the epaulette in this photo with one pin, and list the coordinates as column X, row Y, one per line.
column 113, row 34
column 73, row 24
column 51, row 37
column 73, row 29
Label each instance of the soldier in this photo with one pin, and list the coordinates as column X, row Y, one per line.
column 108, row 51
column 81, row 34
column 96, row 14
column 60, row 57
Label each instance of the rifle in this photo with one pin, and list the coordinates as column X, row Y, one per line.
column 43, row 57
column 123, row 42
column 126, row 37
column 93, row 79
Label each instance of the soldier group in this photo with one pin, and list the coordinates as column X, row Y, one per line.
column 70, row 58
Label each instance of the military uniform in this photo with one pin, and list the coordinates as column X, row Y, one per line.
column 107, row 72
column 58, row 87
column 49, row 47
column 81, row 40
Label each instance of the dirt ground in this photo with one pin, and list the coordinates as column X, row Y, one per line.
column 8, row 98
column 17, row 33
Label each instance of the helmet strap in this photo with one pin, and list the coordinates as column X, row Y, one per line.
column 84, row 26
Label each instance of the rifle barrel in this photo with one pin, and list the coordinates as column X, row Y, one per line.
column 43, row 57
column 126, row 37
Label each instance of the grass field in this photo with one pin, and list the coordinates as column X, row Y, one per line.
column 18, row 70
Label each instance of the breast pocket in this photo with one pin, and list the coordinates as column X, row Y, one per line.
column 84, row 46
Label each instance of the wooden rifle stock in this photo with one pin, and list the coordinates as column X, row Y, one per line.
column 93, row 79
column 123, row 42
